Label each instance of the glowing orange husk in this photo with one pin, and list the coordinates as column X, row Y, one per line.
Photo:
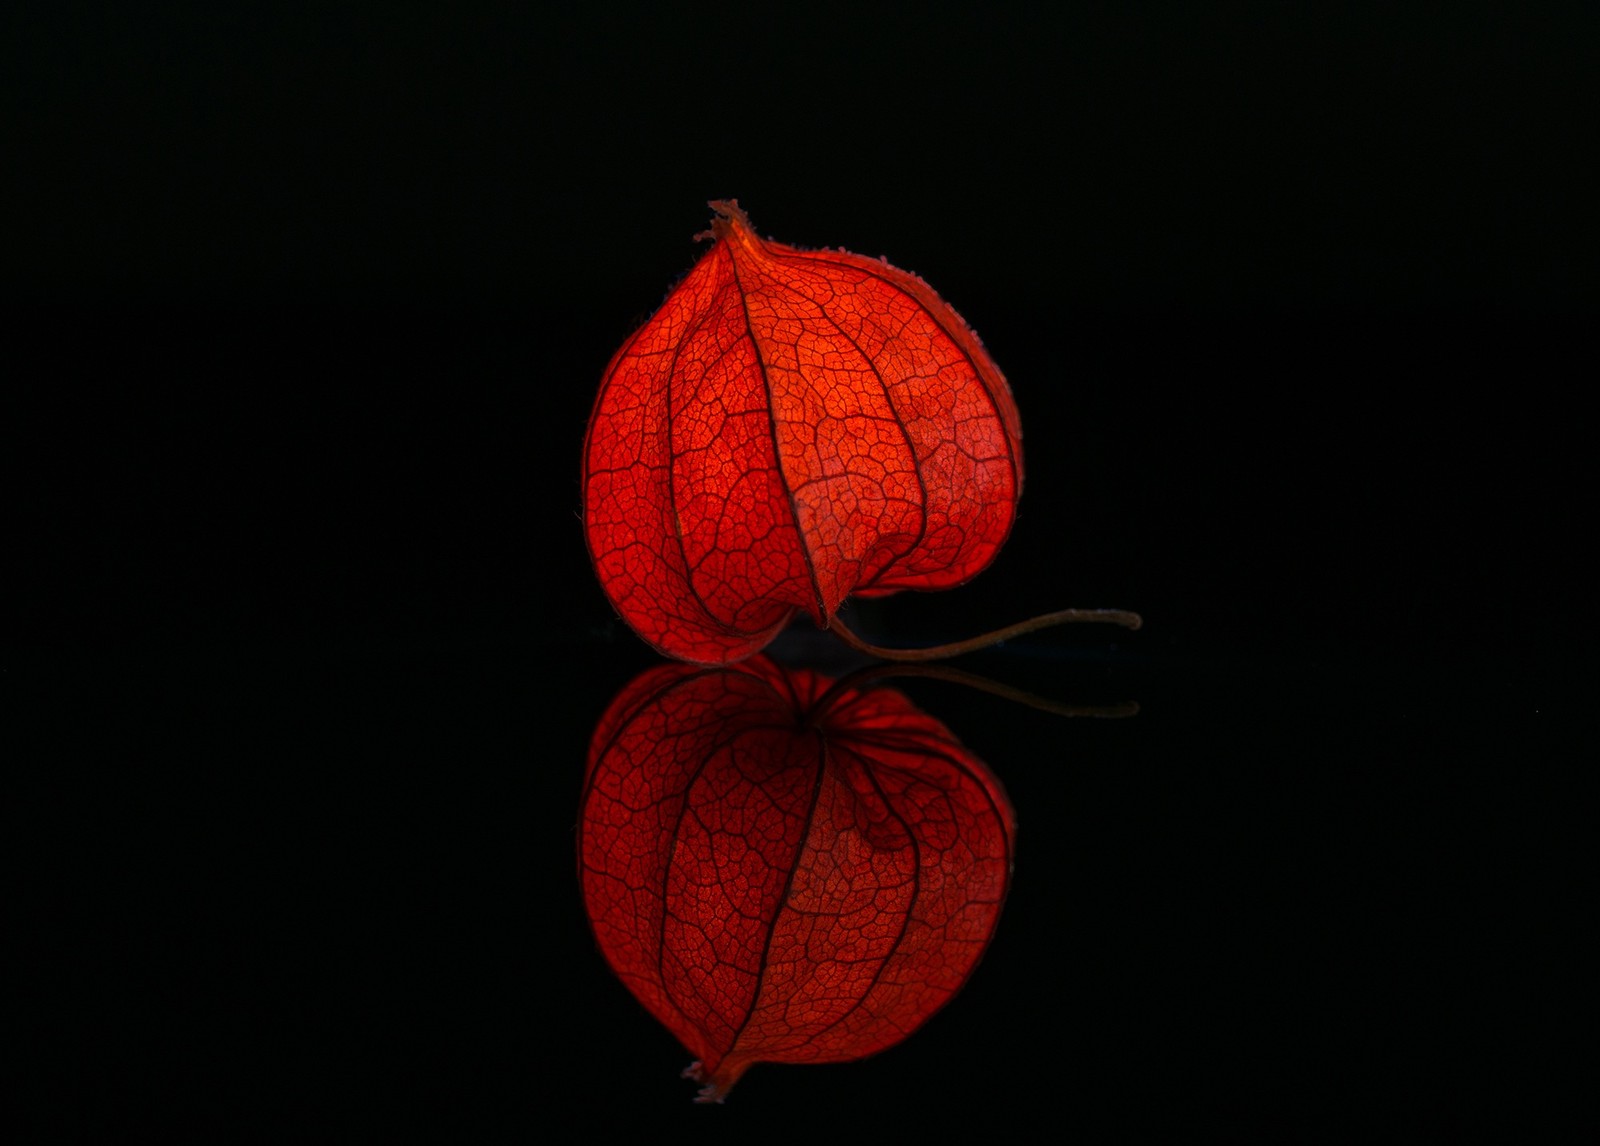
column 790, row 428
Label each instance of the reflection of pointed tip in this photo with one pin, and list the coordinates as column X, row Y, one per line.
column 717, row 1082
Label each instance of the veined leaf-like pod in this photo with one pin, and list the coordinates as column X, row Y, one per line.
column 784, row 871
column 790, row 428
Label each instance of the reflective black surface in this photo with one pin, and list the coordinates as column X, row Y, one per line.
column 307, row 648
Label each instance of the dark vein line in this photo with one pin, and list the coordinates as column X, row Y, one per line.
column 905, row 435
column 905, row 920
column 977, row 369
column 777, row 453
column 788, row 885
column 672, row 462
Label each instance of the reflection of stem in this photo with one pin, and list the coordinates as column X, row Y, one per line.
column 939, row 652
column 871, row 673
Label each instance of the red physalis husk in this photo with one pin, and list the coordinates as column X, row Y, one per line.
column 790, row 428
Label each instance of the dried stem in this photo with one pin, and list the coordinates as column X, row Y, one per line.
column 956, row 648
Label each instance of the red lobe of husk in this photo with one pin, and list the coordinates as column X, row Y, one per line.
column 784, row 873
column 792, row 427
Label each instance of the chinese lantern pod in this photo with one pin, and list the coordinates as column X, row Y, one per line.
column 792, row 427
column 779, row 882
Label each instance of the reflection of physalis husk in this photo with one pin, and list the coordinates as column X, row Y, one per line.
column 784, row 873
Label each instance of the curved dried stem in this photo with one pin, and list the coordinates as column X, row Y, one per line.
column 1122, row 617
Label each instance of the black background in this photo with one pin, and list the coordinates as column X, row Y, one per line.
column 1297, row 303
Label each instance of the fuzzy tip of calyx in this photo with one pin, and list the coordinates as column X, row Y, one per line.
column 729, row 216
